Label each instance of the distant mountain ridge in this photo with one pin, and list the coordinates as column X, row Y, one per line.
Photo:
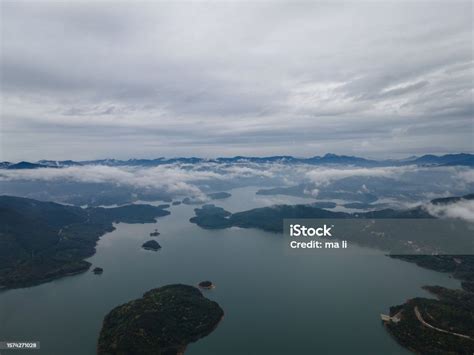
column 461, row 159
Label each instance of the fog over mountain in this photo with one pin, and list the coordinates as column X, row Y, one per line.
column 84, row 80
column 365, row 187
column 309, row 165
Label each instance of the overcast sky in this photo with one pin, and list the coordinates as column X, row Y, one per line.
column 91, row 80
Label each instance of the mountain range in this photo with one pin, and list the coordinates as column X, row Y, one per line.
column 460, row 159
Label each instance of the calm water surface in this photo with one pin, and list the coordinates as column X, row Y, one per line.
column 275, row 302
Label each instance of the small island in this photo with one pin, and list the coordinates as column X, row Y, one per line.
column 219, row 195
column 151, row 245
column 98, row 270
column 164, row 321
column 176, row 203
column 155, row 233
column 208, row 285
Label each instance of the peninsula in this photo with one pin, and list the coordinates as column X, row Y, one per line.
column 41, row 241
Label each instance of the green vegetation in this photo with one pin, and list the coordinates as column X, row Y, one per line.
column 390, row 230
column 42, row 241
column 211, row 217
column 151, row 245
column 266, row 218
column 461, row 266
column 155, row 233
column 164, row 321
column 271, row 218
column 468, row 286
column 429, row 326
column 206, row 284
column 453, row 312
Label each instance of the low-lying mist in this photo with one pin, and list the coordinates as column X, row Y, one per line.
column 358, row 187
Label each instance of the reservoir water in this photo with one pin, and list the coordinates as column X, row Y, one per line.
column 275, row 302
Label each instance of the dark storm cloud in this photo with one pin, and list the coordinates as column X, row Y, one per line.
column 83, row 80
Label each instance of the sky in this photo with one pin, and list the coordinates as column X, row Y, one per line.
column 87, row 80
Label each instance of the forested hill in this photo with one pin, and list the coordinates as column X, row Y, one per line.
column 41, row 241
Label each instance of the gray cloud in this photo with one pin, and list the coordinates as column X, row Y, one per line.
column 190, row 179
column 463, row 209
column 86, row 80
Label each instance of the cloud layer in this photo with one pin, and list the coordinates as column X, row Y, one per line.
column 406, row 185
column 86, row 80
column 463, row 209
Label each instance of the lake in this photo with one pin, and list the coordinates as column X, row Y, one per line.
column 275, row 302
